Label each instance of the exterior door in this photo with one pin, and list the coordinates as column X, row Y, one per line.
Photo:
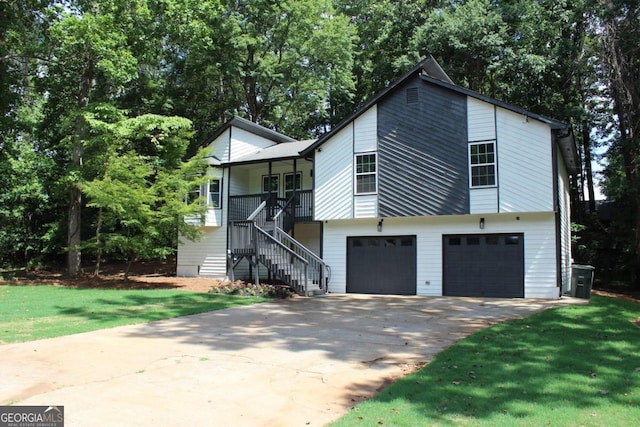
column 381, row 265
column 484, row 265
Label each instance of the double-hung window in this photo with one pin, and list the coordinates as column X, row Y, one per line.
column 215, row 193
column 366, row 173
column 275, row 183
column 292, row 182
column 482, row 164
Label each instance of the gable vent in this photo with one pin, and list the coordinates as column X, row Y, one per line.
column 412, row 95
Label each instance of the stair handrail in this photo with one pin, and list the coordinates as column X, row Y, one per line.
column 317, row 263
column 279, row 218
column 290, row 255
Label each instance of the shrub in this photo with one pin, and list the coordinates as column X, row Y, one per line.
column 250, row 289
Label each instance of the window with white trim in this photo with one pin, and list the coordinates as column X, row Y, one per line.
column 366, row 173
column 193, row 195
column 482, row 164
column 215, row 193
column 289, row 183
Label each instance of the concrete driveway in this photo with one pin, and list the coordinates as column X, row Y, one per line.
column 299, row 362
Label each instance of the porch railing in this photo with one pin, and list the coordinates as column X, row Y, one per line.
column 240, row 207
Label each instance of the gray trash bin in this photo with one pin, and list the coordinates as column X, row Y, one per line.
column 581, row 280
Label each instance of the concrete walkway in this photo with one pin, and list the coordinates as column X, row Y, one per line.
column 300, row 362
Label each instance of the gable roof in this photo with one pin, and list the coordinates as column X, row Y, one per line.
column 430, row 72
column 249, row 126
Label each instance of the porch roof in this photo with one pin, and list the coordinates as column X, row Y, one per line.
column 282, row 151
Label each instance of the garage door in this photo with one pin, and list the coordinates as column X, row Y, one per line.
column 484, row 265
column 381, row 265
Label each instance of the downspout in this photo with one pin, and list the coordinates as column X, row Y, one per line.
column 557, row 213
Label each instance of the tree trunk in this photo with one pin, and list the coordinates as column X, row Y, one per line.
column 96, row 272
column 586, row 142
column 74, row 237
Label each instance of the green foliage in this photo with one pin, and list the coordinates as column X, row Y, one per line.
column 139, row 190
column 576, row 365
column 252, row 290
column 82, row 77
column 37, row 312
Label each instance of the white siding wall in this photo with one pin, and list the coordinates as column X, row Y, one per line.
column 483, row 200
column 243, row 143
column 539, row 238
column 481, row 120
column 366, row 131
column 220, row 146
column 334, row 177
column 481, row 126
column 564, row 205
column 365, row 206
column 206, row 256
column 525, row 166
column 239, row 183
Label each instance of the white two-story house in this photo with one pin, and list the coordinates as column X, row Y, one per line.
column 428, row 189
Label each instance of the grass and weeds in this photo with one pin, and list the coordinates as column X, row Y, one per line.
column 34, row 312
column 571, row 366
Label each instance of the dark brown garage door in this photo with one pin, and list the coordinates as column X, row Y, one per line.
column 381, row 265
column 484, row 265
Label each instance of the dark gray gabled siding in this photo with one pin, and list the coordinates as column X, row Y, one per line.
column 422, row 149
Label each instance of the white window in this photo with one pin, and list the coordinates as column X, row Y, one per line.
column 215, row 193
column 193, row 195
column 290, row 184
column 366, row 173
column 482, row 164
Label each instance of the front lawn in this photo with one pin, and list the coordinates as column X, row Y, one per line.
column 571, row 366
column 34, row 312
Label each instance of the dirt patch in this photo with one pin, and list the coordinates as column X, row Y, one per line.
column 143, row 275
column 627, row 295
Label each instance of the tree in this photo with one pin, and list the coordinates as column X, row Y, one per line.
column 89, row 54
column 618, row 30
column 276, row 63
column 140, row 187
column 384, row 42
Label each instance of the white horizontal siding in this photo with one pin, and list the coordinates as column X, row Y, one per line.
column 483, row 200
column 243, row 143
column 538, row 229
column 219, row 147
column 207, row 255
column 366, row 206
column 334, row 177
column 481, row 123
column 239, row 182
column 525, row 165
column 366, row 131
column 564, row 204
column 213, row 217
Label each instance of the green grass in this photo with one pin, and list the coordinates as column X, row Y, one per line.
column 34, row 312
column 571, row 366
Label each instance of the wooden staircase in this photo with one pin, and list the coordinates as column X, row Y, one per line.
column 262, row 240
